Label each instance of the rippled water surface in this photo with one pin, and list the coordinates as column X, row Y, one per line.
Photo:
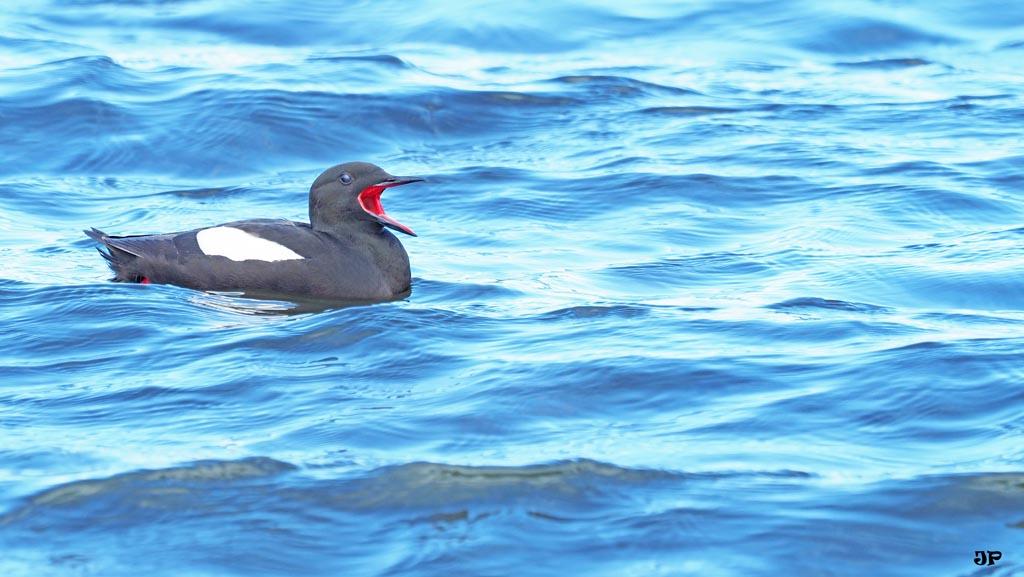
column 703, row 288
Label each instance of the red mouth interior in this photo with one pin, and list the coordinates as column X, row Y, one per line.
column 369, row 199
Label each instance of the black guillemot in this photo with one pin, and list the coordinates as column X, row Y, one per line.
column 344, row 252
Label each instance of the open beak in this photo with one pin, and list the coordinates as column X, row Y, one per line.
column 369, row 199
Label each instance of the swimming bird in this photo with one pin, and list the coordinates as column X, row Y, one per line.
column 344, row 252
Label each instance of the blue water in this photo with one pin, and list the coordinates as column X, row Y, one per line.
column 704, row 288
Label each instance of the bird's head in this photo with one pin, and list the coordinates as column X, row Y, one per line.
column 351, row 191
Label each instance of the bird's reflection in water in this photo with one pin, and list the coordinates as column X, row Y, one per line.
column 275, row 304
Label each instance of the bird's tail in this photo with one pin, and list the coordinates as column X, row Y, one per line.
column 117, row 259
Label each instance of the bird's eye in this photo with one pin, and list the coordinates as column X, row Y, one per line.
column 345, row 178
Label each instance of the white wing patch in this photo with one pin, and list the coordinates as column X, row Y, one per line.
column 236, row 244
